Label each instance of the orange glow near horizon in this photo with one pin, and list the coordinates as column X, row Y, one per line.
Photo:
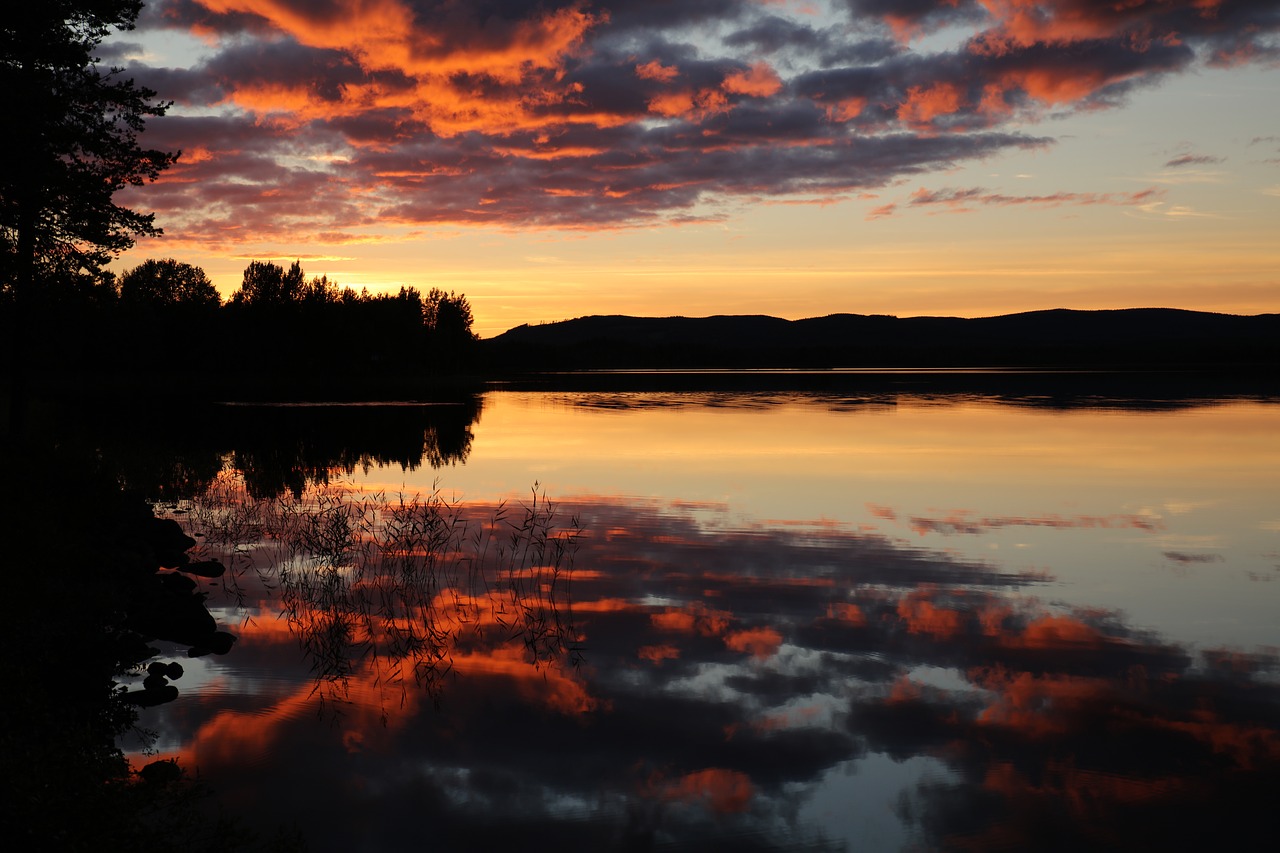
column 708, row 270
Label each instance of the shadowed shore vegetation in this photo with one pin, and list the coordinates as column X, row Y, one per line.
column 106, row 584
column 279, row 336
column 99, row 580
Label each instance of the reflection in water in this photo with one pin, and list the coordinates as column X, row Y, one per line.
column 851, row 390
column 733, row 675
column 175, row 450
column 388, row 591
column 279, row 448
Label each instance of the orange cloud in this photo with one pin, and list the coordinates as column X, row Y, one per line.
column 657, row 654
column 846, row 109
column 546, row 686
column 922, row 616
column 604, row 605
column 761, row 643
column 1057, row 632
column 1059, row 85
column 1039, row 705
column 697, row 618
column 527, row 54
column 722, row 791
column 384, row 34
column 759, row 81
column 850, row 614
column 925, row 103
column 1028, row 22
column 688, row 104
column 655, row 70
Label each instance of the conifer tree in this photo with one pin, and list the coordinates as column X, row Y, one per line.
column 70, row 143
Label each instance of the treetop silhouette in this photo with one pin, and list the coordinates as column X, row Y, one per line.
column 70, row 143
column 168, row 283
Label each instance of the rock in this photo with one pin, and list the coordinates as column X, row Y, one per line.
column 217, row 643
column 222, row 642
column 131, row 649
column 205, row 569
column 168, row 542
column 151, row 696
column 167, row 615
column 177, row 582
column 161, row 772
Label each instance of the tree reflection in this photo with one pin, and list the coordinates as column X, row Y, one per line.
column 287, row 448
column 174, row 449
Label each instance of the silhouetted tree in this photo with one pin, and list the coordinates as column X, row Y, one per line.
column 321, row 293
column 167, row 284
column 269, row 285
column 69, row 142
column 448, row 316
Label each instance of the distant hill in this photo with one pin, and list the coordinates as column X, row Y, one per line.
column 1137, row 337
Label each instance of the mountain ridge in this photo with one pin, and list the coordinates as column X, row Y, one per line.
column 1048, row 337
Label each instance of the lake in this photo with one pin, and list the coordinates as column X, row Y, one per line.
column 752, row 612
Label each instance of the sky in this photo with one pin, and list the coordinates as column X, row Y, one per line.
column 560, row 158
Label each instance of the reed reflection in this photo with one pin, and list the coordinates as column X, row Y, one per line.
column 391, row 591
column 730, row 672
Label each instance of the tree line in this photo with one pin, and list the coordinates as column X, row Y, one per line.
column 280, row 330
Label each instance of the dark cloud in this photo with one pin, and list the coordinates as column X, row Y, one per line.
column 772, row 35
column 913, row 18
column 614, row 114
column 284, row 63
column 196, row 17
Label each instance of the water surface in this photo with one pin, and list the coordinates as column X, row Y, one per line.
column 794, row 617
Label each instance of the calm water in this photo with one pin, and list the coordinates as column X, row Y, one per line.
column 814, row 619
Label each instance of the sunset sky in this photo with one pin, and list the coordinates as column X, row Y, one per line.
column 558, row 158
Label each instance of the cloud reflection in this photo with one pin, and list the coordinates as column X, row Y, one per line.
column 728, row 670
column 963, row 521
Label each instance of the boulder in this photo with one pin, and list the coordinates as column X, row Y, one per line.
column 205, row 569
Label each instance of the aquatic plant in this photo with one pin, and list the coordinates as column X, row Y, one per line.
column 394, row 586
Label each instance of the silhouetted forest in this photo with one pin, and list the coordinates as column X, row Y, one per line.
column 279, row 334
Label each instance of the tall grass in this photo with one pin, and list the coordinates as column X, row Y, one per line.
column 391, row 588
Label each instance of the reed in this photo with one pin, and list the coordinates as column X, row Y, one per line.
column 388, row 589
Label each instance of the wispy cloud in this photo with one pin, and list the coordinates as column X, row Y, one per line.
column 1193, row 160
column 966, row 200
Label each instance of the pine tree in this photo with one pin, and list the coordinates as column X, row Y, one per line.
column 69, row 144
